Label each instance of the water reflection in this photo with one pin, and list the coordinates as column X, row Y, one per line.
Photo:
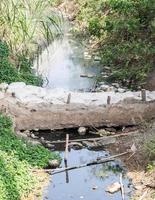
column 62, row 64
column 83, row 180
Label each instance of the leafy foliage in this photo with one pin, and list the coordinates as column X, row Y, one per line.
column 4, row 50
column 125, row 30
column 34, row 155
column 16, row 178
column 9, row 73
column 17, row 158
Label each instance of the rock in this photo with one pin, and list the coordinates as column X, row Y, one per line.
column 34, row 136
column 104, row 87
column 105, row 76
column 133, row 148
column 151, row 184
column 3, row 87
column 100, row 143
column 42, row 140
column 101, row 83
column 106, row 68
column 110, row 89
column 97, row 58
column 87, row 75
column 116, row 85
column 76, row 145
column 22, row 134
column 54, row 163
column 28, row 139
column 139, row 187
column 103, row 132
column 87, row 56
column 27, row 132
column 110, row 129
column 115, row 187
column 82, row 131
column 95, row 187
column 50, row 146
column 15, row 86
column 121, row 90
column 106, row 141
column 88, row 144
column 90, row 76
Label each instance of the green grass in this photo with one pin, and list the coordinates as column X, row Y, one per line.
column 150, row 148
column 9, row 72
column 27, row 25
column 26, row 29
column 16, row 178
column 17, row 158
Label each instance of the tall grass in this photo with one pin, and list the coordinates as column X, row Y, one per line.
column 27, row 25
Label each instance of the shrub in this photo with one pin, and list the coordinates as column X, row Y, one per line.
column 9, row 73
column 17, row 158
column 125, row 30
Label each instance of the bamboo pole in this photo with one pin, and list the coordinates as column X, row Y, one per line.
column 66, row 158
column 66, row 148
column 94, row 139
column 122, row 187
column 97, row 162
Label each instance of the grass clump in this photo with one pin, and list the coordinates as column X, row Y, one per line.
column 27, row 27
column 10, row 73
column 17, row 158
column 26, row 24
column 150, row 148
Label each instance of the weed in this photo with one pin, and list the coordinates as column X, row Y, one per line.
column 17, row 158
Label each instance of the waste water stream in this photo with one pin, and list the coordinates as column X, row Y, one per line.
column 88, row 183
column 66, row 65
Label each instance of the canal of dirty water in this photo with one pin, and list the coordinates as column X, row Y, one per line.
column 88, row 183
column 65, row 64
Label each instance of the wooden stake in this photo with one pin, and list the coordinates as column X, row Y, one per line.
column 122, row 187
column 143, row 95
column 66, row 148
column 69, row 98
column 66, row 158
column 108, row 100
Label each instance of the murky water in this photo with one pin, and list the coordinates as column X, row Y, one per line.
column 87, row 183
column 63, row 63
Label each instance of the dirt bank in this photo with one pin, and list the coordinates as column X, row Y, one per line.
column 143, row 180
column 46, row 116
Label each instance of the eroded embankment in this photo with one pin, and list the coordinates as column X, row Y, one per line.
column 39, row 108
column 142, row 174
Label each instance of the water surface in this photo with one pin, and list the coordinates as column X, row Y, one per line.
column 63, row 63
column 87, row 183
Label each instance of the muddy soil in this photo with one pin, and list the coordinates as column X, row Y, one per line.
column 137, row 163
